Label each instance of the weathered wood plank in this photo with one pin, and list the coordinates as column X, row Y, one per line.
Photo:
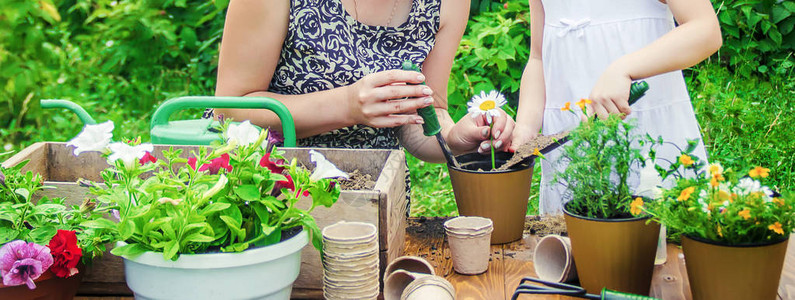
column 786, row 287
column 670, row 279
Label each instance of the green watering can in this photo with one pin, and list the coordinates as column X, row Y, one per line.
column 199, row 132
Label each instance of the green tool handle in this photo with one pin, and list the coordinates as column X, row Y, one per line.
column 636, row 90
column 171, row 106
column 614, row 295
column 431, row 121
column 81, row 113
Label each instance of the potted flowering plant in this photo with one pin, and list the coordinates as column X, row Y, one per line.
column 734, row 228
column 481, row 190
column 612, row 247
column 45, row 244
column 221, row 221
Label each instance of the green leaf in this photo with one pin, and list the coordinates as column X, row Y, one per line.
column 129, row 250
column 25, row 193
column 238, row 247
column 7, row 235
column 99, row 224
column 199, row 238
column 221, row 4
column 267, row 230
column 217, row 206
column 42, row 234
column 171, row 249
column 247, row 192
column 126, row 229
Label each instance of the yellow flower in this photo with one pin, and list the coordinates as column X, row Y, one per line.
column 715, row 169
column 686, row 193
column 720, row 232
column 536, row 152
column 566, row 107
column 745, row 213
column 776, row 227
column 778, row 201
column 583, row 102
column 716, row 179
column 636, row 207
column 686, row 160
column 759, row 172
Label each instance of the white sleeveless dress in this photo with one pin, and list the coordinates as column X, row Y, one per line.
column 581, row 38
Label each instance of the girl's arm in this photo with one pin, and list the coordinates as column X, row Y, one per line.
column 532, row 93
column 252, row 42
column 696, row 38
column 468, row 134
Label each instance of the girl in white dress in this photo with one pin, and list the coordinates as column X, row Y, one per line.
column 594, row 49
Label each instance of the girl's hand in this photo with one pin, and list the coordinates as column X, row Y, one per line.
column 385, row 99
column 521, row 135
column 471, row 134
column 610, row 94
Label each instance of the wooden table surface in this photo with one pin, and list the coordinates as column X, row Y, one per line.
column 511, row 262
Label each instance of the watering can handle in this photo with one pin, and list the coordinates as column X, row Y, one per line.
column 81, row 113
column 173, row 105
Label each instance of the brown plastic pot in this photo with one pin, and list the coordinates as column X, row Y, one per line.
column 500, row 195
column 725, row 272
column 617, row 254
column 48, row 287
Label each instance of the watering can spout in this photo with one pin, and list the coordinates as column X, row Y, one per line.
column 81, row 113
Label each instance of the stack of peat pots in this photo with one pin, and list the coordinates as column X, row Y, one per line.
column 469, row 239
column 350, row 261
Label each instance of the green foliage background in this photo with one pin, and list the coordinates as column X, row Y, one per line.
column 120, row 59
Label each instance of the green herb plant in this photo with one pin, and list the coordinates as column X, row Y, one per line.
column 599, row 158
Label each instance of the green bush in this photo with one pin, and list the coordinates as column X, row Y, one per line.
column 119, row 59
column 758, row 36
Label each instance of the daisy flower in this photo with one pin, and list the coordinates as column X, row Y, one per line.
column 486, row 104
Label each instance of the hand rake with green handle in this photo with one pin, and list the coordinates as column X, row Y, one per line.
column 554, row 288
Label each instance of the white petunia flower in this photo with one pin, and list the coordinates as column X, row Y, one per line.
column 650, row 182
column 243, row 134
column 128, row 154
column 324, row 168
column 220, row 184
column 92, row 138
column 488, row 105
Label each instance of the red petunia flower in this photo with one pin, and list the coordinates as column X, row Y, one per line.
column 274, row 166
column 148, row 157
column 192, row 162
column 65, row 252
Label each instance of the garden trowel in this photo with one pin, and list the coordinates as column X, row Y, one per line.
column 431, row 122
column 636, row 91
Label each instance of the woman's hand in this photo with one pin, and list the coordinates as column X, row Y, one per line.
column 385, row 99
column 471, row 134
column 610, row 94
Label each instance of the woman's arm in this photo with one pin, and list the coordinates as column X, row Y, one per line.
column 252, row 42
column 696, row 38
column 532, row 93
column 467, row 135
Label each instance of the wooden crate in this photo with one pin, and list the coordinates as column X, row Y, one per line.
column 384, row 205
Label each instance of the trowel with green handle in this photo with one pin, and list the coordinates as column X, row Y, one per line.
column 431, row 124
column 636, row 90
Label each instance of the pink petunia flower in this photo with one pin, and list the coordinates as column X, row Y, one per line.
column 22, row 263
